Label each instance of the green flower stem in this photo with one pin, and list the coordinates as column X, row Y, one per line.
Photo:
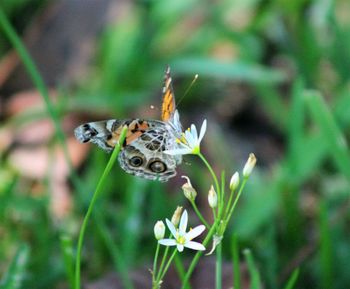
column 155, row 263
column 199, row 254
column 229, row 204
column 167, row 265
column 200, row 216
column 214, row 213
column 92, row 203
column 218, row 267
column 228, row 217
column 222, row 189
column 217, row 187
column 180, row 269
column 163, row 261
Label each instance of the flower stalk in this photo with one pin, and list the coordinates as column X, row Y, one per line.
column 97, row 192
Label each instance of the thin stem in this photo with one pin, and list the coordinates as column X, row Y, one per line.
column 199, row 254
column 155, row 263
column 235, row 257
column 228, row 217
column 163, row 261
column 200, row 216
column 218, row 267
column 180, row 269
column 214, row 213
column 92, row 203
column 222, row 189
column 229, row 204
column 217, row 187
column 209, row 236
column 167, row 265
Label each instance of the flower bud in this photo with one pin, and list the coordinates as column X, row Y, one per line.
column 189, row 192
column 159, row 230
column 212, row 198
column 175, row 219
column 234, row 182
column 249, row 166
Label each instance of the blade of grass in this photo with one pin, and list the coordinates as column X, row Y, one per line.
column 295, row 128
column 235, row 258
column 253, row 271
column 237, row 70
column 97, row 192
column 272, row 102
column 131, row 221
column 16, row 273
column 181, row 270
column 38, row 82
column 292, row 279
column 68, row 258
column 325, row 252
column 32, row 71
column 337, row 144
column 117, row 256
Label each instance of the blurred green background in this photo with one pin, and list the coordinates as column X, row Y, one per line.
column 273, row 80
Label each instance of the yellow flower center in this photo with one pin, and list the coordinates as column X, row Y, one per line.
column 181, row 240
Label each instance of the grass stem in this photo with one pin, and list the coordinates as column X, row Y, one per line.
column 92, row 204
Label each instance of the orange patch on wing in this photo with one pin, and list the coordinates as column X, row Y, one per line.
column 114, row 139
column 135, row 129
column 168, row 105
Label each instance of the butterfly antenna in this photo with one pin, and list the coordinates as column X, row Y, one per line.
column 188, row 89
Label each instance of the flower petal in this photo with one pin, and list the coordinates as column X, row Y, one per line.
column 175, row 152
column 194, row 246
column 195, row 232
column 184, row 145
column 180, row 247
column 189, row 138
column 194, row 132
column 167, row 242
column 183, row 223
column 171, row 228
column 203, row 130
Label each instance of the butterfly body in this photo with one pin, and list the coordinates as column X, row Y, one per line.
column 142, row 154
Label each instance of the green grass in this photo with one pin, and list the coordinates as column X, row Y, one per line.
column 290, row 59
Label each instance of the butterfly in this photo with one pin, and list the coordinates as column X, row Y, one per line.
column 142, row 152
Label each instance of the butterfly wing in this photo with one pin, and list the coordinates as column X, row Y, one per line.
column 106, row 133
column 142, row 153
column 168, row 100
column 169, row 111
column 144, row 157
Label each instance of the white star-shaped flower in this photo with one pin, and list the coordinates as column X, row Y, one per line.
column 183, row 239
column 190, row 141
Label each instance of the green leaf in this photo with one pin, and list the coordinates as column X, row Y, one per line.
column 16, row 273
column 238, row 70
column 292, row 279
